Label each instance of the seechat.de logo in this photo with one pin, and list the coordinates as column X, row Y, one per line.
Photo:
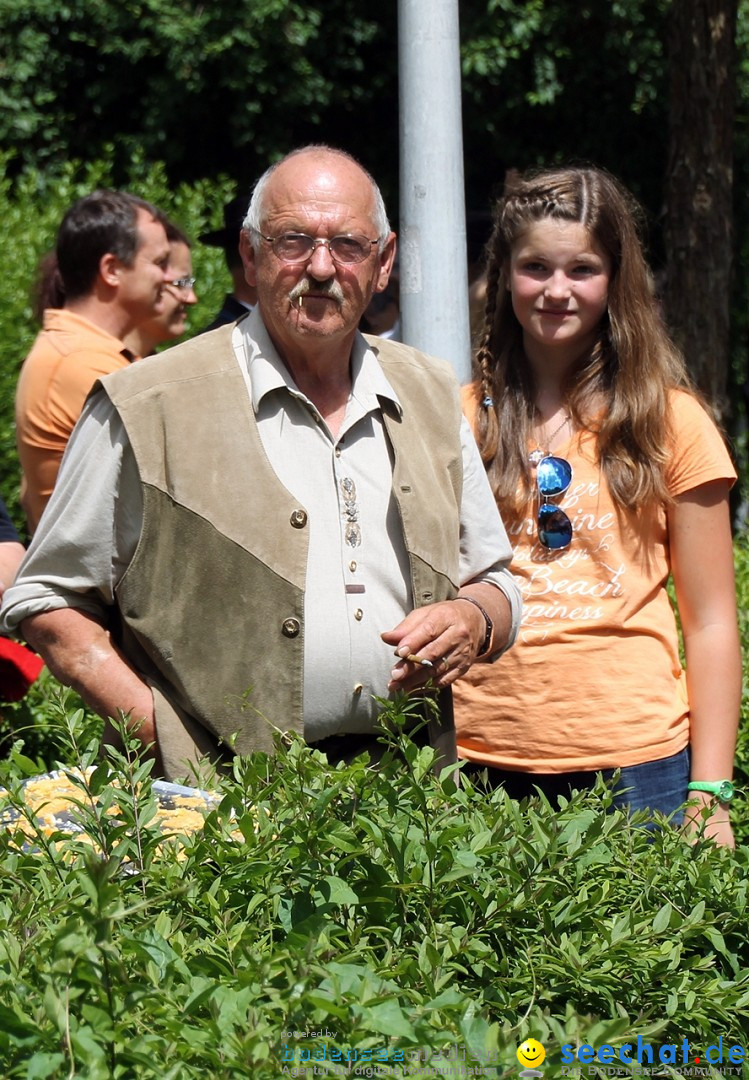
column 641, row 1053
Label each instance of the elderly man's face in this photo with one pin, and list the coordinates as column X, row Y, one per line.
column 322, row 195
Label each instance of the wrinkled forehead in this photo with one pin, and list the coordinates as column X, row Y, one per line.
column 328, row 187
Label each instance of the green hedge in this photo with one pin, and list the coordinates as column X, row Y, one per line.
column 387, row 912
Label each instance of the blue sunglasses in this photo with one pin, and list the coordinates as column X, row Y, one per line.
column 553, row 476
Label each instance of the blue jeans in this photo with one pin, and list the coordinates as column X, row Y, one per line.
column 654, row 785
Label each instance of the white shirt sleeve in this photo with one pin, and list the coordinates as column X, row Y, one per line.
column 485, row 551
column 89, row 529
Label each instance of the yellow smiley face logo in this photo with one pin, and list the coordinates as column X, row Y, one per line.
column 531, row 1053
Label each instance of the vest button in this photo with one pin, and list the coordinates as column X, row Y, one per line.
column 298, row 519
column 291, row 627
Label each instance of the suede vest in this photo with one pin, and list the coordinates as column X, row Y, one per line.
column 212, row 603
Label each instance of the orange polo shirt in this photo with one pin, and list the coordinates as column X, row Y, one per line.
column 65, row 361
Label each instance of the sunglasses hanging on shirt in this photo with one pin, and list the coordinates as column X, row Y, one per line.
column 553, row 477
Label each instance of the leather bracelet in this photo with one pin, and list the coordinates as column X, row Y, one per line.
column 486, row 643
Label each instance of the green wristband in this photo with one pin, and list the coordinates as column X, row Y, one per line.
column 723, row 790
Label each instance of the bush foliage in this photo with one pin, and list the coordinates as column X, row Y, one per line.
column 388, row 910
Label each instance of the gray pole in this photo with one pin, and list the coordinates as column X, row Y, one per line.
column 433, row 266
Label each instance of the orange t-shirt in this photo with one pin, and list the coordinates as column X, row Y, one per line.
column 65, row 361
column 594, row 680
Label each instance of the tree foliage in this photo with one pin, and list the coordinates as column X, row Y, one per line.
column 219, row 90
column 205, row 88
column 548, row 82
column 224, row 88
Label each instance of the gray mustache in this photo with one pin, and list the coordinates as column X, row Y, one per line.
column 322, row 288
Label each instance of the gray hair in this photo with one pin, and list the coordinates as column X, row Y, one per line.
column 254, row 216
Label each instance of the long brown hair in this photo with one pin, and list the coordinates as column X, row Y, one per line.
column 48, row 290
column 631, row 367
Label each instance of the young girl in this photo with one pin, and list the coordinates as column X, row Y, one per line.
column 610, row 476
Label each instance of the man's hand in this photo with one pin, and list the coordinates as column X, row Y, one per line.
column 450, row 635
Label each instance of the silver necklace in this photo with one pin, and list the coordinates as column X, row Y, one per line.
column 538, row 454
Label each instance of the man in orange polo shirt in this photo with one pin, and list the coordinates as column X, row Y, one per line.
column 113, row 259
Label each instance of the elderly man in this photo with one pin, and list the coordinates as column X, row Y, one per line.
column 112, row 257
column 270, row 525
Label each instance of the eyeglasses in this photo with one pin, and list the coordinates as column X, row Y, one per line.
column 553, row 476
column 297, row 248
column 184, row 284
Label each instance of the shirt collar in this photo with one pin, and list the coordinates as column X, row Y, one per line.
column 267, row 371
column 66, row 321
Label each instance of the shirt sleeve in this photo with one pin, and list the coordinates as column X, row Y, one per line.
column 485, row 551
column 698, row 451
column 68, row 389
column 89, row 529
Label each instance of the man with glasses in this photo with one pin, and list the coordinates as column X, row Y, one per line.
column 112, row 256
column 177, row 298
column 302, row 513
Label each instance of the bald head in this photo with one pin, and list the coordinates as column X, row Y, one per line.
column 333, row 169
column 311, row 297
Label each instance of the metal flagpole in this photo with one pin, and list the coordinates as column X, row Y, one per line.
column 432, row 237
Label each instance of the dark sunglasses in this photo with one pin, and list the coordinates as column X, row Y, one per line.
column 553, row 476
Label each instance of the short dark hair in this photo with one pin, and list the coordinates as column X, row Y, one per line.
column 102, row 223
column 174, row 234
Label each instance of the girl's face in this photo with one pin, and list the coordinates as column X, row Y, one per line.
column 559, row 280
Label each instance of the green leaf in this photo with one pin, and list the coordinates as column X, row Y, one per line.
column 480, row 1037
column 662, row 918
column 336, row 891
column 342, row 837
column 388, row 1018
column 43, row 1064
